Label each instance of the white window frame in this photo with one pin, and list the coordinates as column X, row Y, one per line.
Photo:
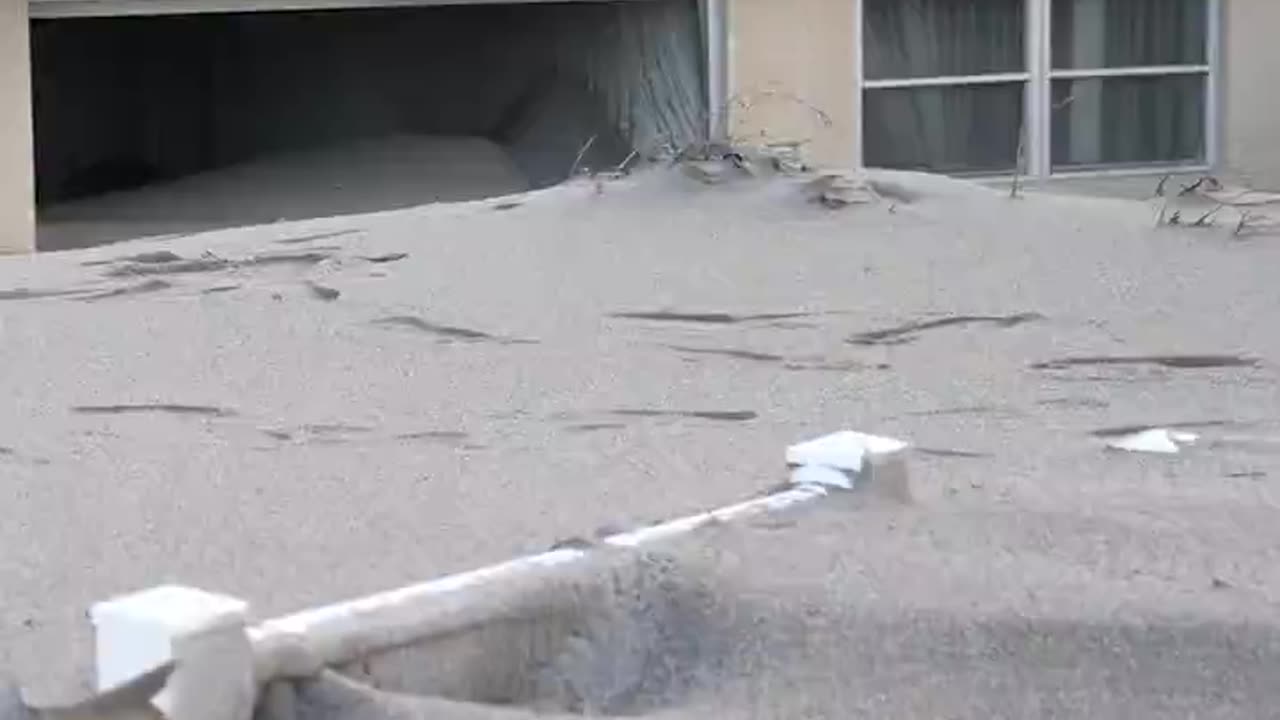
column 1037, row 96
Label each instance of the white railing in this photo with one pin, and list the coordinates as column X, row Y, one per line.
column 222, row 661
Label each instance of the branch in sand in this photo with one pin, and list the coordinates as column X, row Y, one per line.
column 582, row 152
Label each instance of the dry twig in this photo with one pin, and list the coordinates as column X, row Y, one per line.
column 582, row 152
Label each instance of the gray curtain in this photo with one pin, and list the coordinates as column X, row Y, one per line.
column 644, row 61
column 1128, row 120
column 945, row 129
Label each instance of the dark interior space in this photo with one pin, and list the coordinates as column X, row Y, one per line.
column 130, row 103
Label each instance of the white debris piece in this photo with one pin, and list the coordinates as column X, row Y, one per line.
column 851, row 460
column 1154, row 440
column 843, row 450
column 203, row 632
column 823, row 476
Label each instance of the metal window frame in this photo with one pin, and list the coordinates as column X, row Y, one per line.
column 1037, row 94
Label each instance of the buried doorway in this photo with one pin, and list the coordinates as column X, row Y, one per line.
column 171, row 124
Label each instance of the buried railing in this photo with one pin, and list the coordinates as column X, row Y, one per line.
column 221, row 661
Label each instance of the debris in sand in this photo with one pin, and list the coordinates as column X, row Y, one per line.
column 1254, row 223
column 840, row 189
column 596, row 427
column 705, row 318
column 909, row 332
column 1175, row 362
column 319, row 433
column 711, row 172
column 142, row 408
column 386, row 258
column 849, row 460
column 822, row 475
column 209, row 262
column 1119, row 430
column 714, row 415
column 175, row 266
column 734, row 353
column 29, row 294
column 573, row 543
column 145, row 258
column 949, row 453
column 434, row 435
column 321, row 292
column 1154, row 440
column 149, row 286
column 786, row 158
column 1234, row 195
column 447, row 333
column 317, row 236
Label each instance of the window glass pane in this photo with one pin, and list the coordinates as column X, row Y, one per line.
column 1128, row 120
column 965, row 129
column 1129, row 33
column 929, row 38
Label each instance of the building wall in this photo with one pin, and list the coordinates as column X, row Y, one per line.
column 793, row 69
column 17, row 213
column 1250, row 103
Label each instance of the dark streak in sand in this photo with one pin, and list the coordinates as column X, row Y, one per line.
column 383, row 259
column 1121, row 430
column 596, row 427
column 731, row 353
column 711, row 318
column 946, row 453
column 168, row 408
column 317, row 236
column 908, row 332
column 321, row 292
column 446, row 332
column 1176, row 362
column 716, row 415
column 142, row 288
column 146, row 258
column 441, row 435
column 28, row 294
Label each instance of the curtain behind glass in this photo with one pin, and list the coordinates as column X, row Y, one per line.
column 1127, row 120
column 947, row 129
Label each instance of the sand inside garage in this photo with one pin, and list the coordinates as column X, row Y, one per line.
column 172, row 124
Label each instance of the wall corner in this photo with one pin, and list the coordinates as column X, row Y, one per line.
column 17, row 155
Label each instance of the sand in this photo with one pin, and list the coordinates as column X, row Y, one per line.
column 243, row 429
column 375, row 174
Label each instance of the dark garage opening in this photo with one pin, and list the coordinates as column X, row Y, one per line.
column 172, row 124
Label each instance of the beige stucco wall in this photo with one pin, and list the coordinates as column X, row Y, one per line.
column 1250, row 100
column 793, row 75
column 17, row 194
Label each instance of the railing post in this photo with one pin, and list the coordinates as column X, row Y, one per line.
column 203, row 632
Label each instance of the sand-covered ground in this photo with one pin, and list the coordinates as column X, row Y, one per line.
column 300, row 412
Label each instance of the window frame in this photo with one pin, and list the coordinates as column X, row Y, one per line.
column 1038, row 78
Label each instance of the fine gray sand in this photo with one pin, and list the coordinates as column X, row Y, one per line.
column 294, row 413
column 375, row 174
